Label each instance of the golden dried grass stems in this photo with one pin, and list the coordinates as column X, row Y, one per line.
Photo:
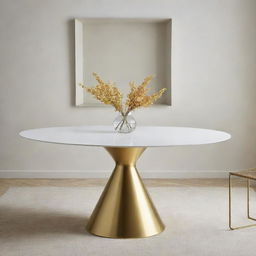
column 138, row 95
column 109, row 94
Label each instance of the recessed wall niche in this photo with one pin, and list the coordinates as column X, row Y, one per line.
column 122, row 50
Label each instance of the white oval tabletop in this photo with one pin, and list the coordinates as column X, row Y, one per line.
column 143, row 136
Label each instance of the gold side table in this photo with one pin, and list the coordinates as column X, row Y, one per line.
column 249, row 175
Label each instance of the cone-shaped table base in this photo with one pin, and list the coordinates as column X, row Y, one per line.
column 125, row 209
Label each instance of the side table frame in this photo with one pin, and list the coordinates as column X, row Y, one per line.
column 248, row 201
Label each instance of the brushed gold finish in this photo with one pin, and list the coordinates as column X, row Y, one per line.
column 125, row 209
column 248, row 176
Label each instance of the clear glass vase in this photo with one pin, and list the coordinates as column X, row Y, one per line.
column 124, row 123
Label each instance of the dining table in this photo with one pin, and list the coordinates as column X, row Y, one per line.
column 125, row 209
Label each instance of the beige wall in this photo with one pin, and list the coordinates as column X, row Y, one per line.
column 214, row 82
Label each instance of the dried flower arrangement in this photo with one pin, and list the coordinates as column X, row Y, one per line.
column 109, row 94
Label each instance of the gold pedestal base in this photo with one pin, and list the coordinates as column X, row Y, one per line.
column 125, row 209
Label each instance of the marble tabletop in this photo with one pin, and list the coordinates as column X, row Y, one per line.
column 143, row 136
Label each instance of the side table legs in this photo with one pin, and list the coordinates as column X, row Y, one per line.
column 248, row 204
column 125, row 209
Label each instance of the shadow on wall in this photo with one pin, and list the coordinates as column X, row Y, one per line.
column 71, row 60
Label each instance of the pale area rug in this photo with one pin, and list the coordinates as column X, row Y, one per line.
column 42, row 221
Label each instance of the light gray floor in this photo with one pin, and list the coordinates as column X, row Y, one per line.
column 51, row 220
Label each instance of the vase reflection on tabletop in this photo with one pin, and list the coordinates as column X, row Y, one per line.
column 124, row 123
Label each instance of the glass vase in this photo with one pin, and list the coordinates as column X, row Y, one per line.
column 124, row 123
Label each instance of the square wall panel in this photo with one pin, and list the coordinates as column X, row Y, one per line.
column 123, row 50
